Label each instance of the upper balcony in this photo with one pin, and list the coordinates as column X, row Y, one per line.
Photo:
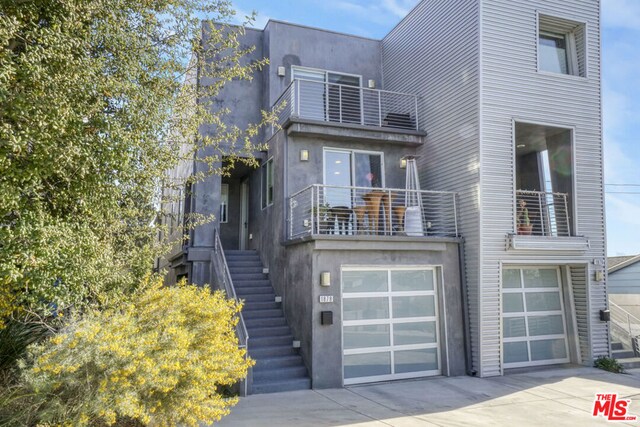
column 348, row 106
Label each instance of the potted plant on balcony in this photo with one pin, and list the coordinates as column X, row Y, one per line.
column 523, row 221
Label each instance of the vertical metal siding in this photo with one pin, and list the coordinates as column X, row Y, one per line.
column 513, row 89
column 434, row 53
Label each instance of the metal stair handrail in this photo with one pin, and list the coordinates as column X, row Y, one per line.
column 224, row 281
column 625, row 324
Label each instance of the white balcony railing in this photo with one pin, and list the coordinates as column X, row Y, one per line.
column 331, row 102
column 540, row 213
column 350, row 211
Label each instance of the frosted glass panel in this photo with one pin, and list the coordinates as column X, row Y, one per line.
column 515, row 352
column 543, row 301
column 511, row 279
column 412, row 280
column 548, row 349
column 512, row 303
column 366, row 336
column 418, row 306
column 414, row 333
column 367, row 365
column 513, row 327
column 364, row 281
column 365, row 308
column 545, row 325
column 540, row 278
column 415, row 360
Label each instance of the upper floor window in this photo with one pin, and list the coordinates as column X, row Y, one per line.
column 266, row 173
column 561, row 46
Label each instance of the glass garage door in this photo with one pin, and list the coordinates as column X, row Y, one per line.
column 533, row 319
column 389, row 324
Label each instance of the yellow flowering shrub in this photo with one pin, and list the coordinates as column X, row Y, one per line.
column 158, row 360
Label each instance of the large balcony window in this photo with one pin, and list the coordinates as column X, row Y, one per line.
column 544, row 180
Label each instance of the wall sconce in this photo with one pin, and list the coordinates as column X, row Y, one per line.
column 325, row 278
column 372, row 84
column 282, row 71
column 599, row 275
column 403, row 163
column 304, row 155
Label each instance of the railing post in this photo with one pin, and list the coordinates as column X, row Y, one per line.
column 629, row 326
column 380, row 108
column 416, row 111
column 317, row 206
column 290, row 217
column 566, row 215
column 389, row 217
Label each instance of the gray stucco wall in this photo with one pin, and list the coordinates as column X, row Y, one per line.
column 289, row 44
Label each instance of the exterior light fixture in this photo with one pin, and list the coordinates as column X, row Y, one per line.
column 281, row 71
column 325, row 278
column 521, row 145
column 403, row 163
column 372, row 84
column 304, row 155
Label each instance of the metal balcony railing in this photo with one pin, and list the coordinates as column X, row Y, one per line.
column 364, row 211
column 332, row 102
column 624, row 327
column 540, row 213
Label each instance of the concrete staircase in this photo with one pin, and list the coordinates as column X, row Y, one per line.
column 626, row 357
column 278, row 366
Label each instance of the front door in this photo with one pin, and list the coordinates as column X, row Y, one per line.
column 389, row 324
column 244, row 215
column 533, row 318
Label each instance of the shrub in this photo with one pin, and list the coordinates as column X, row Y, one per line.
column 158, row 360
column 608, row 364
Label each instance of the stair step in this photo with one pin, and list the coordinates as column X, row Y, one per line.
column 280, row 386
column 616, row 346
column 245, row 283
column 249, row 276
column 251, row 290
column 258, row 342
column 289, row 372
column 278, row 362
column 233, row 264
column 265, row 322
column 262, row 313
column 271, row 351
column 240, row 251
column 623, row 354
column 249, row 306
column 630, row 362
column 255, row 298
column 274, row 331
column 236, row 271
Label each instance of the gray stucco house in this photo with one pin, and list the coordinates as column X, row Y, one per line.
column 348, row 274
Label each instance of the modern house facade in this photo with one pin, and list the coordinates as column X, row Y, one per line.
column 429, row 204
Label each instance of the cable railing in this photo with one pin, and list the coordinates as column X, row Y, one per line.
column 540, row 213
column 365, row 211
column 339, row 103
column 625, row 328
column 222, row 278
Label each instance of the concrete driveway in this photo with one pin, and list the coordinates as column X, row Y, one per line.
column 549, row 397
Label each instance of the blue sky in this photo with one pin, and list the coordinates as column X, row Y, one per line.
column 620, row 85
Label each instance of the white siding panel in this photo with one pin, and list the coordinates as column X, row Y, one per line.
column 513, row 89
column 434, row 53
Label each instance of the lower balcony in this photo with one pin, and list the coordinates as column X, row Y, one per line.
column 364, row 212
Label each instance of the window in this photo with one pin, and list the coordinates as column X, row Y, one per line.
column 347, row 168
column 224, row 204
column 561, row 46
column 267, row 183
column 329, row 96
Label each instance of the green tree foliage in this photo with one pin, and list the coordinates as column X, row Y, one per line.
column 94, row 109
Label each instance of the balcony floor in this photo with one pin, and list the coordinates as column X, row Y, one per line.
column 375, row 243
